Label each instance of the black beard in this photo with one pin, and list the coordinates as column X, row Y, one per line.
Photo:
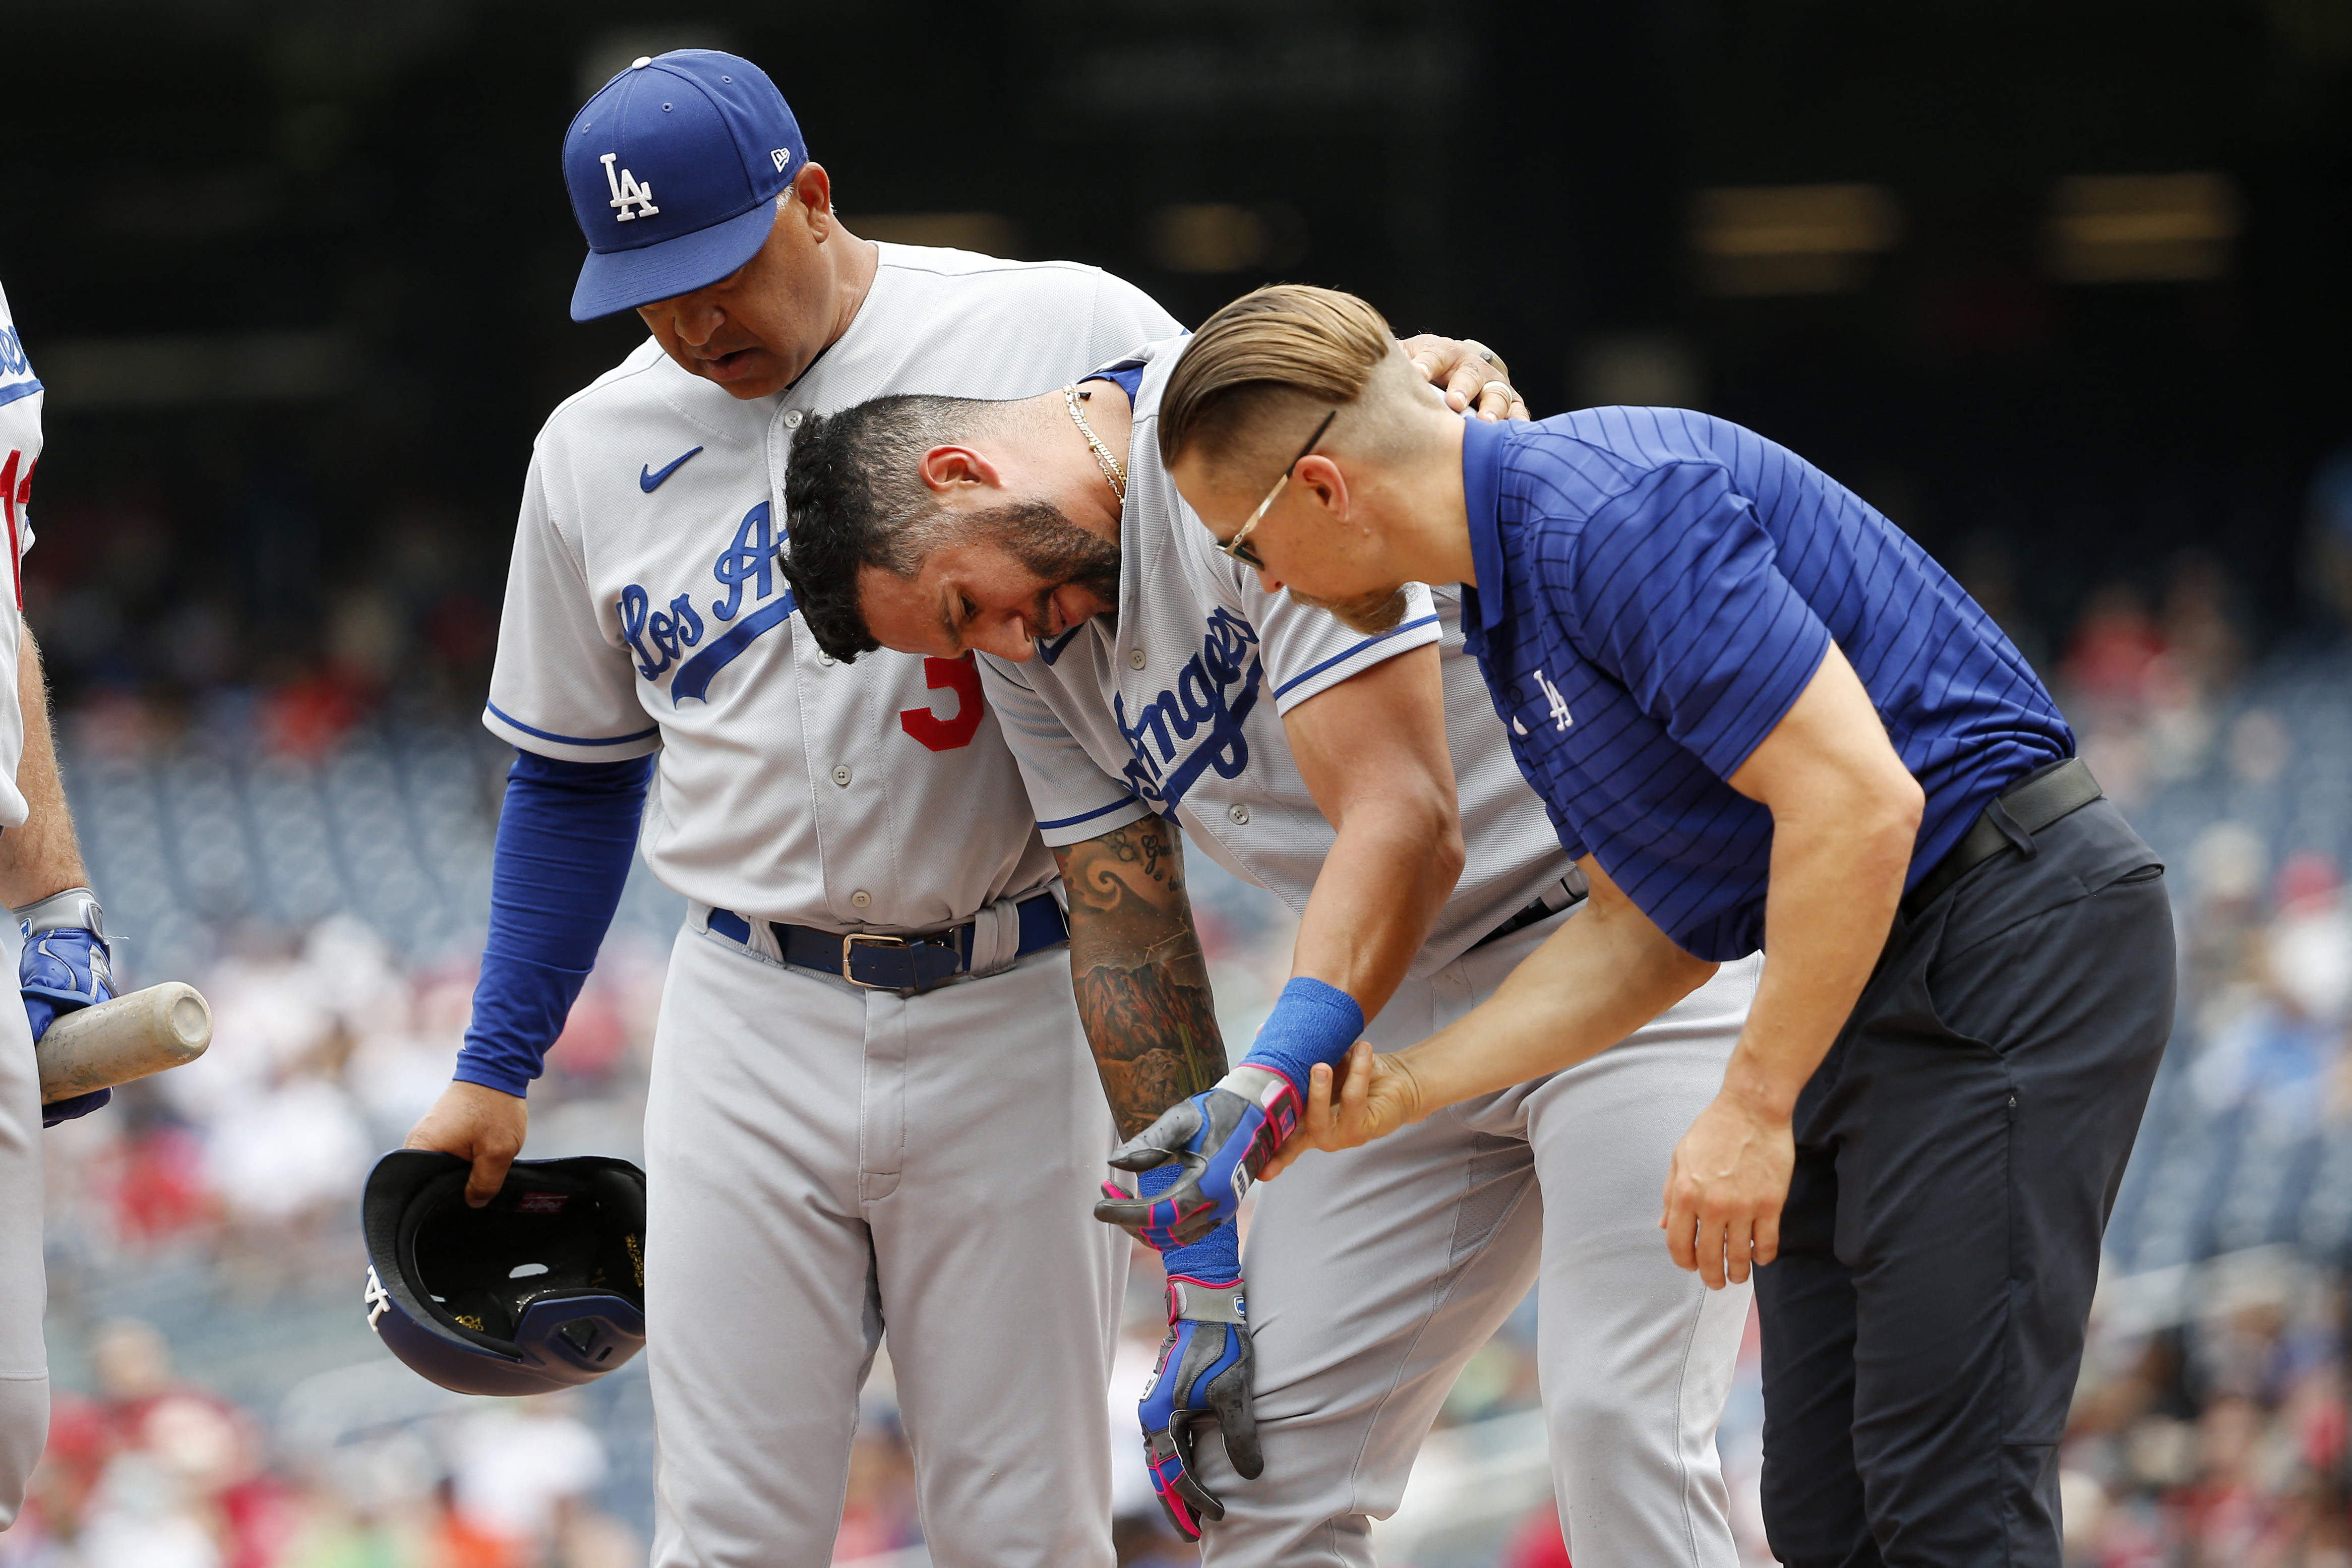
column 1370, row 613
column 1037, row 534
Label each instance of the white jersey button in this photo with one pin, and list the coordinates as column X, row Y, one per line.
column 841, row 777
column 861, row 898
column 792, row 419
column 1240, row 814
column 1135, row 659
column 825, row 658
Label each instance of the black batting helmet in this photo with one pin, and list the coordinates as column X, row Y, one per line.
column 543, row 1288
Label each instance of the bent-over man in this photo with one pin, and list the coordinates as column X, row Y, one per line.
column 1760, row 714
column 1146, row 680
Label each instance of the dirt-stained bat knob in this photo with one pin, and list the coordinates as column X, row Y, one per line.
column 164, row 1026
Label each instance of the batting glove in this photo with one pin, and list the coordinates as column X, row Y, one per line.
column 1205, row 1372
column 1220, row 1139
column 66, row 966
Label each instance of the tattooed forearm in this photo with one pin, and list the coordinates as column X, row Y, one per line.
column 1135, row 961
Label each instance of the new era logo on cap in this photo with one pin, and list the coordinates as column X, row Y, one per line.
column 710, row 132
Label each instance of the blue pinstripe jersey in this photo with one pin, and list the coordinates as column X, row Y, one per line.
column 1656, row 588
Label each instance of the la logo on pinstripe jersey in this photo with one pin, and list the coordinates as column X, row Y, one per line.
column 1560, row 719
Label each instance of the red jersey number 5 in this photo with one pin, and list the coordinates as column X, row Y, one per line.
column 962, row 677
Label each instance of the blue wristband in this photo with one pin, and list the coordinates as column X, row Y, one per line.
column 1311, row 1023
column 1216, row 1258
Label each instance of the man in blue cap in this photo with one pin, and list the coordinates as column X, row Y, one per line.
column 869, row 1010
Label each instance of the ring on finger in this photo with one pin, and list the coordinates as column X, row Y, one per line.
column 1509, row 396
column 1483, row 352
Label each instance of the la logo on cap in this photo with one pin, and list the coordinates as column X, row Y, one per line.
column 627, row 191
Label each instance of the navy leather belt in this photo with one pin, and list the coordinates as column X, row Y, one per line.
column 2049, row 791
column 1569, row 889
column 891, row 963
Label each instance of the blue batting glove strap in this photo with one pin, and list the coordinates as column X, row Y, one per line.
column 1204, row 1373
column 64, row 970
column 1216, row 1143
column 1311, row 1023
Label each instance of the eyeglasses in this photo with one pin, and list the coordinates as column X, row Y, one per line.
column 1238, row 545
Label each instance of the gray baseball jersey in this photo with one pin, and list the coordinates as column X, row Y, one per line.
column 1175, row 706
column 806, row 1138
column 1374, row 1274
column 645, row 610
column 24, row 1360
column 21, row 397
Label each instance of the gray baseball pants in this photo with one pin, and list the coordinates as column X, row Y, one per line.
column 815, row 1156
column 24, row 1280
column 1373, row 1275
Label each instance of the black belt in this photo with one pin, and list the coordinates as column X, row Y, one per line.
column 2049, row 791
column 889, row 962
column 1568, row 890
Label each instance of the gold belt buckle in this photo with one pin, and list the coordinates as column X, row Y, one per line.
column 849, row 943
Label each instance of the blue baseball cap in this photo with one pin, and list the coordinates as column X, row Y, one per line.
column 674, row 168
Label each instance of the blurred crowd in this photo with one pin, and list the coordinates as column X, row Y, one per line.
column 221, row 1404
column 206, row 1273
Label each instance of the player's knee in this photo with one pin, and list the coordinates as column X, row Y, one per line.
column 1611, row 1429
column 24, row 1430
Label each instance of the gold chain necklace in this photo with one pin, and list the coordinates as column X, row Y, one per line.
column 1109, row 465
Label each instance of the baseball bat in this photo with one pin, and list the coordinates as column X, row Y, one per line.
column 165, row 1026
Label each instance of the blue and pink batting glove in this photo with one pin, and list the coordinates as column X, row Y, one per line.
column 1204, row 1374
column 1219, row 1140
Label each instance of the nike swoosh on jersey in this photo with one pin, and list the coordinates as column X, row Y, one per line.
column 649, row 483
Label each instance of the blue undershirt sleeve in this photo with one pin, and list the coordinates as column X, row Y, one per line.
column 565, row 839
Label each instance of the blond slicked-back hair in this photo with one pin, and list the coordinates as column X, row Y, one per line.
column 1275, row 345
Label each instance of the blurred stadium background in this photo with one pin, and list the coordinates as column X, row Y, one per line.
column 2060, row 285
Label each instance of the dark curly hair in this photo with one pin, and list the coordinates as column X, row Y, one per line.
column 855, row 496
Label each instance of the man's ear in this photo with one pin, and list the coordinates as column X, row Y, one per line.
column 946, row 468
column 1321, row 478
column 812, row 189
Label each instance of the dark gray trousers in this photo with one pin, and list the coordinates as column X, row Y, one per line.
column 1957, row 1154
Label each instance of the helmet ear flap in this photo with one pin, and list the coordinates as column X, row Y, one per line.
column 593, row 1336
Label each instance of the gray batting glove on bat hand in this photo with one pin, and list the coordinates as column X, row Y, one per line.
column 478, row 1123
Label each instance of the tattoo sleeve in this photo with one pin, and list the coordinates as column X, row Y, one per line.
column 1135, row 963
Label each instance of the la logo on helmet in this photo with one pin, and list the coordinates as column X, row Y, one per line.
column 627, row 191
